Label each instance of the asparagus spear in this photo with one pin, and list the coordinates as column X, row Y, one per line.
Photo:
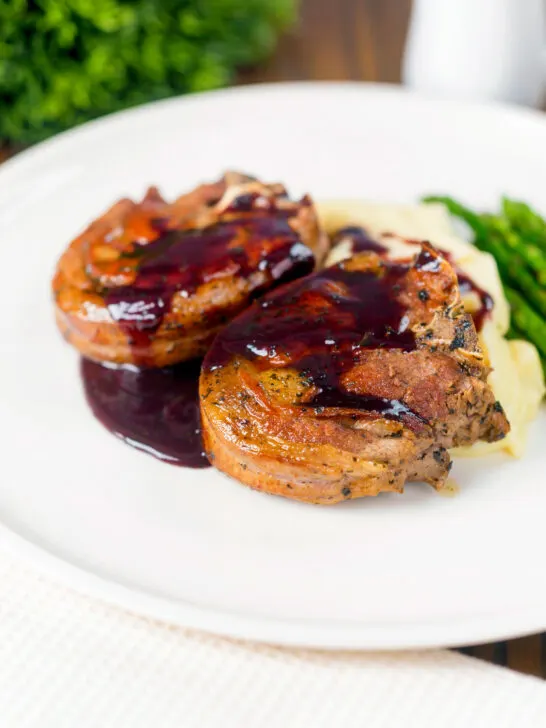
column 513, row 271
column 525, row 221
column 534, row 257
column 527, row 320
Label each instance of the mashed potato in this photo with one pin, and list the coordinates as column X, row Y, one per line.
column 516, row 376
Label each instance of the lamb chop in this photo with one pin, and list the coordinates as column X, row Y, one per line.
column 349, row 382
column 151, row 283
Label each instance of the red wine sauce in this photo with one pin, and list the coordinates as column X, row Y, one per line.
column 154, row 410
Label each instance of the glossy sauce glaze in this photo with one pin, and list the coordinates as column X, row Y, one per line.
column 179, row 261
column 154, row 410
column 361, row 240
column 320, row 326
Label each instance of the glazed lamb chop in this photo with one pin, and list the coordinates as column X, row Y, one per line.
column 152, row 283
column 352, row 381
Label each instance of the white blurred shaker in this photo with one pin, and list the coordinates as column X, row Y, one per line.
column 479, row 49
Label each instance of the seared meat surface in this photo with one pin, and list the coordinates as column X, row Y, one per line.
column 352, row 381
column 151, row 283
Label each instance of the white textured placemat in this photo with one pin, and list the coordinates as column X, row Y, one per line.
column 69, row 662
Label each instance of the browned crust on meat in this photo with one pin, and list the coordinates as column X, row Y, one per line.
column 94, row 262
column 257, row 431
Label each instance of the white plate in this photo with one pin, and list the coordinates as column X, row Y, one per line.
column 192, row 546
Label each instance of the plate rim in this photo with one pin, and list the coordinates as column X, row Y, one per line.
column 490, row 106
column 306, row 634
column 320, row 634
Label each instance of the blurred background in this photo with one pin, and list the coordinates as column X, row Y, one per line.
column 358, row 40
column 63, row 62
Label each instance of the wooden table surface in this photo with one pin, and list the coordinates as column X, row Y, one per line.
column 363, row 40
